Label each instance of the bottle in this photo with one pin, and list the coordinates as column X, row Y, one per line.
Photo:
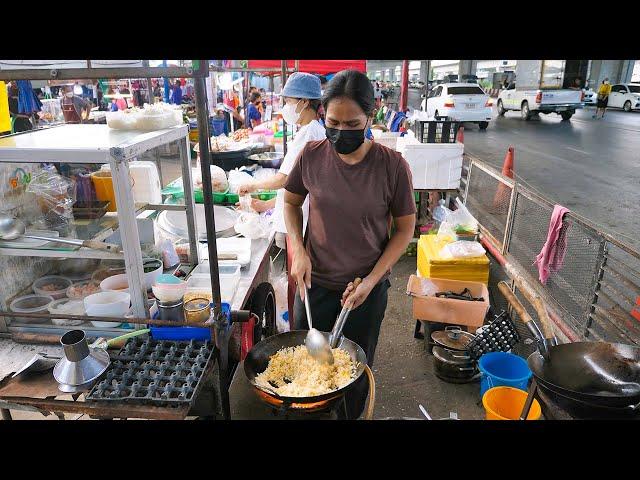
column 439, row 213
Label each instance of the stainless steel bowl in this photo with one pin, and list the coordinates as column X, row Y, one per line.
column 267, row 159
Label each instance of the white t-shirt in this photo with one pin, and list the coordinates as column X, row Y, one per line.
column 310, row 132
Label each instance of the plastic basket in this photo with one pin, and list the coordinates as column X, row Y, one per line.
column 498, row 336
column 440, row 130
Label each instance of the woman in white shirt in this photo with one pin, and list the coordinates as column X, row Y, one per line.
column 302, row 95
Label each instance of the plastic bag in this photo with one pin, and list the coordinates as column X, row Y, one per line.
column 237, row 178
column 427, row 288
column 219, row 182
column 245, row 203
column 55, row 195
column 252, row 225
column 456, row 222
column 462, row 249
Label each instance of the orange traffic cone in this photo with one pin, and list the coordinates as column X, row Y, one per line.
column 507, row 166
column 503, row 193
column 460, row 136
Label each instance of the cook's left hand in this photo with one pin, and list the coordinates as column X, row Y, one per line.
column 354, row 298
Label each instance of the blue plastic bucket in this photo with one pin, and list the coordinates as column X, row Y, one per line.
column 503, row 369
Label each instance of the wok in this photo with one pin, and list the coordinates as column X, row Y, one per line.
column 258, row 358
column 597, row 373
column 593, row 372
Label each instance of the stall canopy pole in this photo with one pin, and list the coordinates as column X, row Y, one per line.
column 202, row 111
column 284, row 124
column 404, row 89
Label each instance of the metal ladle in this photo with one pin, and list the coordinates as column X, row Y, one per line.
column 316, row 343
column 12, row 228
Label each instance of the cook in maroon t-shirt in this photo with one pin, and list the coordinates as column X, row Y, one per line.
column 355, row 187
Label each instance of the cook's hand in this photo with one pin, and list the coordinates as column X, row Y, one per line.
column 246, row 188
column 301, row 271
column 353, row 298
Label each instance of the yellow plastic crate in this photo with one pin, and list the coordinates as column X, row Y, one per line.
column 432, row 265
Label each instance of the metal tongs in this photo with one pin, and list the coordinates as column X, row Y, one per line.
column 336, row 333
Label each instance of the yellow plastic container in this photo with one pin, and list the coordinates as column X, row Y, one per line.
column 432, row 265
column 506, row 403
column 103, row 184
column 5, row 117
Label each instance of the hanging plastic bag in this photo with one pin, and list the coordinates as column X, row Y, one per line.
column 462, row 249
column 280, row 283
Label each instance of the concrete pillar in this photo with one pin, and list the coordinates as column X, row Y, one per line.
column 467, row 67
column 618, row 71
column 425, row 66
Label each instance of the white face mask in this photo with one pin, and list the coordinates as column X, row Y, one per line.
column 289, row 113
column 69, row 94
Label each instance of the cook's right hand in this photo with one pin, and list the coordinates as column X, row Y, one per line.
column 247, row 188
column 301, row 271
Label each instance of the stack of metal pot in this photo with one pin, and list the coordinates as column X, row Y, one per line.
column 452, row 360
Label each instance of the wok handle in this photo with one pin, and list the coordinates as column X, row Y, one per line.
column 535, row 300
column 522, row 313
column 371, row 403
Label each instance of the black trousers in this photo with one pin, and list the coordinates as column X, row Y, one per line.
column 362, row 327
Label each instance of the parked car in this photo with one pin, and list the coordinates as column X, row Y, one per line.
column 625, row 96
column 529, row 102
column 465, row 102
column 590, row 97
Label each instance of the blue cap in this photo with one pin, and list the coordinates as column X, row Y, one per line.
column 302, row 85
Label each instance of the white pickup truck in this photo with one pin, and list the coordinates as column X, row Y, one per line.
column 533, row 101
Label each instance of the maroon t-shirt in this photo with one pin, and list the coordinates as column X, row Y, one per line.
column 350, row 207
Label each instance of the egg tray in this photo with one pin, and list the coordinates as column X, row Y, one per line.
column 154, row 372
column 498, row 336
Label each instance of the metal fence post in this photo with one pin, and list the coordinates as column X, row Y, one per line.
column 510, row 217
column 597, row 278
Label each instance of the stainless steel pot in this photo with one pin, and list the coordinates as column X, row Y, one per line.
column 453, row 366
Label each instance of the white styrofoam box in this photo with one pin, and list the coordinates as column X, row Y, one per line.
column 146, row 187
column 388, row 139
column 229, row 278
column 433, row 165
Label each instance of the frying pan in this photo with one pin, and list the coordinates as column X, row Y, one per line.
column 598, row 373
column 258, row 358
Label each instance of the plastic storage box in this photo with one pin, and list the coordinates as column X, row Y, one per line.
column 432, row 265
column 449, row 310
column 200, row 280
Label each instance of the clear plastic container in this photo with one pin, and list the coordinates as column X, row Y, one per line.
column 440, row 213
column 69, row 307
column 229, row 278
column 31, row 304
column 79, row 290
column 53, row 285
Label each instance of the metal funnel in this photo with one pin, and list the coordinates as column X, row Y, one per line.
column 80, row 365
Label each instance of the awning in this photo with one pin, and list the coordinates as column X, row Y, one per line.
column 320, row 67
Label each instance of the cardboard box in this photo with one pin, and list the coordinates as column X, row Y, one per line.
column 448, row 310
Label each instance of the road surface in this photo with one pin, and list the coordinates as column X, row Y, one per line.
column 590, row 166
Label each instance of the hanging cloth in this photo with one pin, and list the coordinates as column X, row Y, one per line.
column 28, row 102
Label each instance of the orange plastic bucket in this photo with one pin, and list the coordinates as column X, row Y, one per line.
column 104, row 188
column 506, row 403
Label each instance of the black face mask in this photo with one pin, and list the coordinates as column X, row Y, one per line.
column 345, row 141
